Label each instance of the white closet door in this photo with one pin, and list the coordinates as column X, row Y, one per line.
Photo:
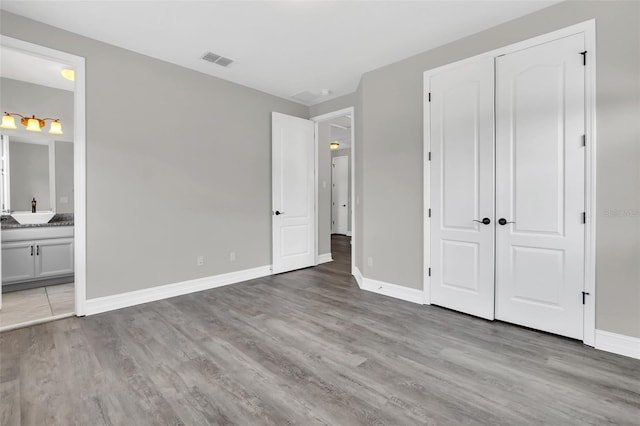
column 462, row 184
column 293, row 192
column 540, row 187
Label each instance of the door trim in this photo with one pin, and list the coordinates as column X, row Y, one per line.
column 588, row 28
column 79, row 159
column 328, row 116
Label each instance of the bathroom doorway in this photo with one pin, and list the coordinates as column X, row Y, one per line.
column 42, row 186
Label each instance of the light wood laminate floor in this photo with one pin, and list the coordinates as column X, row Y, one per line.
column 304, row 348
column 36, row 305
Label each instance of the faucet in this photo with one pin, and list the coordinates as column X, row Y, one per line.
column 33, row 205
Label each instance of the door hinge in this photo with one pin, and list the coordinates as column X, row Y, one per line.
column 584, row 140
column 584, row 295
column 429, row 96
column 429, row 156
column 584, row 58
column 429, row 212
column 584, row 217
column 429, row 271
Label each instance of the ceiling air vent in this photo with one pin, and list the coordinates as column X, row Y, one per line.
column 217, row 59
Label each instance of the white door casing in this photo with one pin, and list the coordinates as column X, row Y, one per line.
column 540, row 125
column 462, row 188
column 293, row 193
column 339, row 194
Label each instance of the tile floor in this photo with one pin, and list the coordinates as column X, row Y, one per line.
column 36, row 305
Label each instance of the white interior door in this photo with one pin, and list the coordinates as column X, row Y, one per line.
column 540, row 187
column 462, row 188
column 293, row 192
column 339, row 195
column 4, row 190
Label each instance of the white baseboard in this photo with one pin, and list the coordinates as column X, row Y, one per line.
column 123, row 300
column 324, row 258
column 348, row 234
column 357, row 275
column 618, row 344
column 393, row 290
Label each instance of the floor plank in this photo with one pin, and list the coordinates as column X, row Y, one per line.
column 306, row 347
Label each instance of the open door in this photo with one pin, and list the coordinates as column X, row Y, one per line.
column 293, row 192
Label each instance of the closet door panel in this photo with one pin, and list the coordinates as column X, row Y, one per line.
column 540, row 186
column 462, row 184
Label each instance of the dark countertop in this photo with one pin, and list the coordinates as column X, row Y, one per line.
column 62, row 219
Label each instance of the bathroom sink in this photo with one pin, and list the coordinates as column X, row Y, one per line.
column 28, row 218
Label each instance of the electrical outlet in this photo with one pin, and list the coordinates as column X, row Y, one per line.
column 370, row 261
column 200, row 260
column 232, row 256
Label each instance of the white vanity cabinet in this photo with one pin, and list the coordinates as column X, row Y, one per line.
column 40, row 253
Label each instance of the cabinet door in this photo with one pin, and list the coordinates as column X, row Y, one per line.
column 18, row 261
column 54, row 257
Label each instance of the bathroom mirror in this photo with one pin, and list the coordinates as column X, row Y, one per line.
column 36, row 169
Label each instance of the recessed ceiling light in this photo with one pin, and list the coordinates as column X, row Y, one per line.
column 68, row 73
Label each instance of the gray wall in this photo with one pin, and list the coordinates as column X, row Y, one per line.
column 29, row 176
column 390, row 109
column 335, row 104
column 64, row 176
column 324, row 188
column 147, row 169
column 161, row 188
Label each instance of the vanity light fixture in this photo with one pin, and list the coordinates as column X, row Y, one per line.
column 334, row 145
column 33, row 123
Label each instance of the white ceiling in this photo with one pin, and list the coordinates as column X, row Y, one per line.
column 280, row 47
column 32, row 69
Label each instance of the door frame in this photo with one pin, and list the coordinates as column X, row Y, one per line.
column 588, row 28
column 79, row 160
column 324, row 117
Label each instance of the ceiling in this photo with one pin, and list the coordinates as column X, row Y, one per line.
column 32, row 69
column 280, row 47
